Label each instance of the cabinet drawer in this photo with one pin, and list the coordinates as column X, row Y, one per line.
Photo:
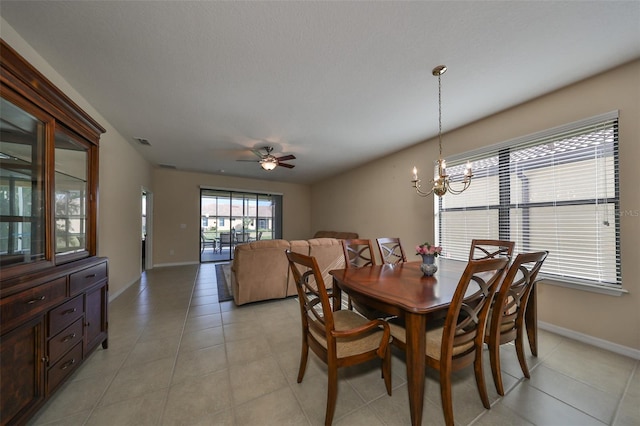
column 87, row 277
column 29, row 303
column 65, row 340
column 64, row 367
column 65, row 314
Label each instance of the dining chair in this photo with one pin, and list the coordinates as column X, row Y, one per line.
column 358, row 253
column 506, row 321
column 207, row 242
column 459, row 342
column 489, row 249
column 226, row 239
column 391, row 251
column 341, row 338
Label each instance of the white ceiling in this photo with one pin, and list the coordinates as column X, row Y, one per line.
column 336, row 84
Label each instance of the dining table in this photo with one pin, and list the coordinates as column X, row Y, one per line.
column 403, row 290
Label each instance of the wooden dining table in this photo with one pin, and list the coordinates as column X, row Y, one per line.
column 404, row 291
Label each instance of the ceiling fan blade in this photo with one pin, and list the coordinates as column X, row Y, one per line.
column 257, row 153
column 286, row 157
column 288, row 166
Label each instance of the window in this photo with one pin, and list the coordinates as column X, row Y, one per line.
column 230, row 218
column 556, row 190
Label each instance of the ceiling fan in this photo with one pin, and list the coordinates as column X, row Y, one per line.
column 269, row 161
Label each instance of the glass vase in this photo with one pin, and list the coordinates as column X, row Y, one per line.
column 428, row 266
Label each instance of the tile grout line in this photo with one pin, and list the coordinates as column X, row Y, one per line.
column 616, row 414
column 175, row 359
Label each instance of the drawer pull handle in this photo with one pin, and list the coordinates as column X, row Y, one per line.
column 69, row 337
column 91, row 276
column 68, row 364
column 69, row 311
column 39, row 299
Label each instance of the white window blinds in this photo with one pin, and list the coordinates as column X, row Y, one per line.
column 556, row 190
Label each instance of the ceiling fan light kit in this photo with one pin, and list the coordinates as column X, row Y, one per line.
column 269, row 162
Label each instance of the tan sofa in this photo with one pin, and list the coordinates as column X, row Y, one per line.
column 260, row 270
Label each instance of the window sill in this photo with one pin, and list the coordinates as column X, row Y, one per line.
column 609, row 291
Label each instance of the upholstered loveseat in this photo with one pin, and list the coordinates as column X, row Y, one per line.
column 260, row 270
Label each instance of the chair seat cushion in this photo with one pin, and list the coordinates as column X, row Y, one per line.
column 433, row 340
column 345, row 347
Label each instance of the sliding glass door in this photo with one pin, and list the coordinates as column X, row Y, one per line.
column 229, row 218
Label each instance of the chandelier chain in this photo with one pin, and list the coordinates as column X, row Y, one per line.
column 440, row 114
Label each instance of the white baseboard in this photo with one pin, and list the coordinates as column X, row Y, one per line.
column 590, row 340
column 112, row 296
column 164, row 265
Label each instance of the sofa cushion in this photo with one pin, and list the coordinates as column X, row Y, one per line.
column 329, row 255
column 260, row 271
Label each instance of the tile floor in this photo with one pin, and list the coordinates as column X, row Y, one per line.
column 178, row 357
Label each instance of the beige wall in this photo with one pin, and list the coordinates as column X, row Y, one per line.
column 377, row 200
column 123, row 174
column 177, row 202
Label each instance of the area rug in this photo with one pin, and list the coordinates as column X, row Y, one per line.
column 223, row 277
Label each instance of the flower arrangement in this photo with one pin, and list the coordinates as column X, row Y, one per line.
column 428, row 249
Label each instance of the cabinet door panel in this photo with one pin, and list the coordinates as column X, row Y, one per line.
column 95, row 317
column 22, row 370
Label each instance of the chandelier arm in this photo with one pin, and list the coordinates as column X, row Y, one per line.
column 419, row 191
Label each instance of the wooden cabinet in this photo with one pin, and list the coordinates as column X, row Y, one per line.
column 41, row 346
column 53, row 288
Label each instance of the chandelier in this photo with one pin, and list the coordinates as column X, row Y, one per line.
column 441, row 184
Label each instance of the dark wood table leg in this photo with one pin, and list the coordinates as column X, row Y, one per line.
column 416, row 343
column 531, row 320
column 336, row 293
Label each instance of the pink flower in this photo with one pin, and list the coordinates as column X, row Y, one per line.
column 428, row 249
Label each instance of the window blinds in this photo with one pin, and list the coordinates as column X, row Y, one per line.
column 556, row 191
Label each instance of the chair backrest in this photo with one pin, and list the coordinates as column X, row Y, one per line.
column 511, row 300
column 315, row 307
column 489, row 249
column 225, row 238
column 259, row 236
column 391, row 251
column 466, row 319
column 358, row 253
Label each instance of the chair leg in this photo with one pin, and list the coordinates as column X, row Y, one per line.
column 304, row 354
column 482, row 386
column 521, row 357
column 445, row 395
column 332, row 393
column 386, row 370
column 494, row 357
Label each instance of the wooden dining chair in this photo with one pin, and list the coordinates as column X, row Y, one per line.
column 507, row 317
column 359, row 253
column 341, row 338
column 391, row 251
column 489, row 249
column 459, row 342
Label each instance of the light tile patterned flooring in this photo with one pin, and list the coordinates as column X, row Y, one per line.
column 178, row 357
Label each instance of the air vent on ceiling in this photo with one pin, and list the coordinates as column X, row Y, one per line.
column 143, row 141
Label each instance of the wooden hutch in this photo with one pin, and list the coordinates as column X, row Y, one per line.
column 53, row 288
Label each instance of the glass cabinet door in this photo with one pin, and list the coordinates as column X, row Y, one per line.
column 71, row 196
column 22, row 191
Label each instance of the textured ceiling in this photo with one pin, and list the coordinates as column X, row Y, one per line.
column 336, row 84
